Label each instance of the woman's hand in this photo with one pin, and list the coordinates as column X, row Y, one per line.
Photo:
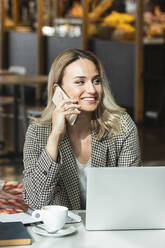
column 64, row 108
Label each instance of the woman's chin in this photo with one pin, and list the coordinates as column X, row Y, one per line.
column 89, row 107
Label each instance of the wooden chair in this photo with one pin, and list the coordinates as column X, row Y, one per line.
column 6, row 101
column 37, row 109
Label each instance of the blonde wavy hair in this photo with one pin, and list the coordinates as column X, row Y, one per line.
column 106, row 119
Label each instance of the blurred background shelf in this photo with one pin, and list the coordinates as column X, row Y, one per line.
column 133, row 57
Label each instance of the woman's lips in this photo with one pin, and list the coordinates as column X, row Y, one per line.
column 89, row 99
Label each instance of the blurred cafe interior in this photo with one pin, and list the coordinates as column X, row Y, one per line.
column 127, row 35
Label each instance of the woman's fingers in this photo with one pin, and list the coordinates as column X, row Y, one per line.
column 68, row 106
column 66, row 101
column 72, row 111
column 72, row 106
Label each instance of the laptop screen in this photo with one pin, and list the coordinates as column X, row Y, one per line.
column 125, row 198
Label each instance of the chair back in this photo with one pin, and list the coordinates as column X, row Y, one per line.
column 21, row 70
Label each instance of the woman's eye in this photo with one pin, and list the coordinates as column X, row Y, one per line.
column 97, row 81
column 79, row 82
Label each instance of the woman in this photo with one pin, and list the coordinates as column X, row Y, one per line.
column 56, row 154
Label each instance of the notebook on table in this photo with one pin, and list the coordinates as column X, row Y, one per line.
column 125, row 198
column 13, row 234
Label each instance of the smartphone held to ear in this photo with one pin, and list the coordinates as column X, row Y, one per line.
column 70, row 118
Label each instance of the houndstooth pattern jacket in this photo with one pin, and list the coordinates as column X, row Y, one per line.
column 48, row 182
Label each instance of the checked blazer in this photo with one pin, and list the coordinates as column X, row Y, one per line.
column 48, row 182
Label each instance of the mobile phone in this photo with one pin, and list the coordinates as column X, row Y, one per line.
column 70, row 118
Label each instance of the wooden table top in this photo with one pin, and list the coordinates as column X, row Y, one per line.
column 6, row 72
column 23, row 79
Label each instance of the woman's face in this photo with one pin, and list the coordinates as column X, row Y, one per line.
column 82, row 82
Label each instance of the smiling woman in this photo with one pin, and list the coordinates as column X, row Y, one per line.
column 57, row 153
column 82, row 82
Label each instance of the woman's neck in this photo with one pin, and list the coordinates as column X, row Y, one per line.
column 82, row 126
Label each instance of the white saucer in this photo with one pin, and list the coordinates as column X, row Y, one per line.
column 63, row 232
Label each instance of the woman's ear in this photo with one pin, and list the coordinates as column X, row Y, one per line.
column 55, row 85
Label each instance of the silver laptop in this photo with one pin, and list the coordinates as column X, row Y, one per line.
column 125, row 198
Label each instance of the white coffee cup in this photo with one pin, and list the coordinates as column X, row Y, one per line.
column 53, row 217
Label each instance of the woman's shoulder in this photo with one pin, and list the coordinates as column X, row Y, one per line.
column 35, row 129
column 127, row 123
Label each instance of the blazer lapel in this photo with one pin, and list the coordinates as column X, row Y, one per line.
column 69, row 173
column 99, row 153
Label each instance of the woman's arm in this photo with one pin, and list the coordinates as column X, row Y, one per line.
column 41, row 172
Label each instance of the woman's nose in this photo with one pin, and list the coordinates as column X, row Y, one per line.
column 90, row 88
